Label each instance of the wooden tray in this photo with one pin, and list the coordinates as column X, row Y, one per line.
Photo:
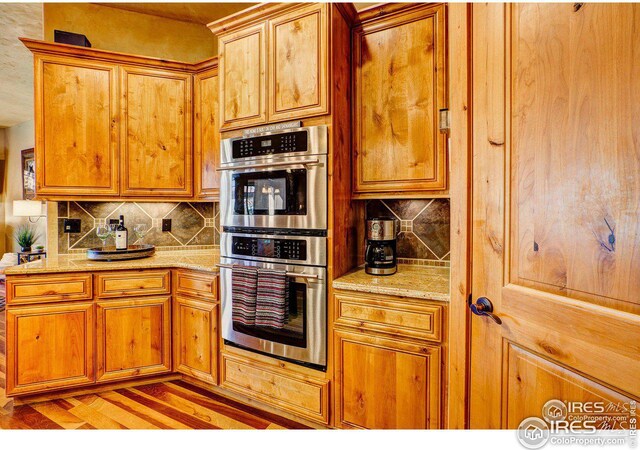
column 110, row 253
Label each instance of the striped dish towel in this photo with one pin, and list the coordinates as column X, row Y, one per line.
column 272, row 304
column 243, row 294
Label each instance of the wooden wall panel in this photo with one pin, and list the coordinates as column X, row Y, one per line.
column 579, row 238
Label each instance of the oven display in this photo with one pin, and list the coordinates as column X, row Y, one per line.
column 265, row 248
column 292, row 142
column 292, row 249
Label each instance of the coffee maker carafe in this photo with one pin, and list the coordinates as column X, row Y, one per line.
column 380, row 255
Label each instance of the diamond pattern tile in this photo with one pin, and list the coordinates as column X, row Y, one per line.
column 204, row 208
column 424, row 226
column 433, row 228
column 189, row 220
column 204, row 237
column 192, row 224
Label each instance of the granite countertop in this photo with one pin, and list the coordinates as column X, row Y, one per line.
column 205, row 260
column 424, row 282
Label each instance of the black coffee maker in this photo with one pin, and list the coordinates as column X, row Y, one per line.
column 380, row 255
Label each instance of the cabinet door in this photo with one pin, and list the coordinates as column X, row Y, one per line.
column 206, row 146
column 298, row 63
column 195, row 338
column 49, row 347
column 242, row 66
column 400, row 85
column 76, row 127
column 386, row 384
column 134, row 337
column 156, row 152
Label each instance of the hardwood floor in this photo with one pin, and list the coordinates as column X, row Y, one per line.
column 169, row 405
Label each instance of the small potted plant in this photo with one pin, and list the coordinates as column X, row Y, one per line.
column 25, row 236
column 39, row 248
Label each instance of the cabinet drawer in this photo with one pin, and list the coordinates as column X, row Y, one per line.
column 119, row 284
column 48, row 288
column 390, row 315
column 292, row 392
column 197, row 284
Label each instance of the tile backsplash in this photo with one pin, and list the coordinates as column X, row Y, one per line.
column 424, row 228
column 192, row 224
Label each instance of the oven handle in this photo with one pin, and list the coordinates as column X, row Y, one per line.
column 289, row 274
column 304, row 163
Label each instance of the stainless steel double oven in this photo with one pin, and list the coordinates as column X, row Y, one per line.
column 273, row 209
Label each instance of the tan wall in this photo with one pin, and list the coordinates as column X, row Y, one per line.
column 17, row 138
column 2, row 195
column 130, row 32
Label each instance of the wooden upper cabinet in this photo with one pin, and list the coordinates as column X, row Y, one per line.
column 156, row 152
column 399, row 86
column 113, row 125
column 298, row 49
column 206, row 144
column 242, row 65
column 76, row 127
column 274, row 62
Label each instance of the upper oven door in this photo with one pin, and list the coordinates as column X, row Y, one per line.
column 283, row 192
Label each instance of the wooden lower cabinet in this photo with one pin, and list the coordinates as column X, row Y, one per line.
column 50, row 347
column 133, row 337
column 385, row 383
column 195, row 338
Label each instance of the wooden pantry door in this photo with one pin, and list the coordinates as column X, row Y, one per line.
column 555, row 207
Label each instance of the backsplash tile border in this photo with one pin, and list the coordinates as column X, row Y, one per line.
column 199, row 220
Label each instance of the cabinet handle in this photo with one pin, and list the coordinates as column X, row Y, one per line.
column 273, row 164
column 289, row 274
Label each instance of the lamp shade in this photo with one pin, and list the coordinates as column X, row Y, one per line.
column 27, row 208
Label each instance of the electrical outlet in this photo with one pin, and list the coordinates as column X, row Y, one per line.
column 72, row 225
column 166, row 224
column 114, row 221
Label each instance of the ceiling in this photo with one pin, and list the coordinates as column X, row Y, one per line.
column 201, row 13
column 16, row 63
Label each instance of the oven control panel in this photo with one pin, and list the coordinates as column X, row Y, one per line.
column 293, row 249
column 274, row 144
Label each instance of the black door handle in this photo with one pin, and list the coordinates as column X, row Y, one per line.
column 484, row 307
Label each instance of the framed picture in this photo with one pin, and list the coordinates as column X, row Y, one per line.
column 28, row 174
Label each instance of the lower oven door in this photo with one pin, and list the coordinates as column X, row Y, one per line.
column 304, row 337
